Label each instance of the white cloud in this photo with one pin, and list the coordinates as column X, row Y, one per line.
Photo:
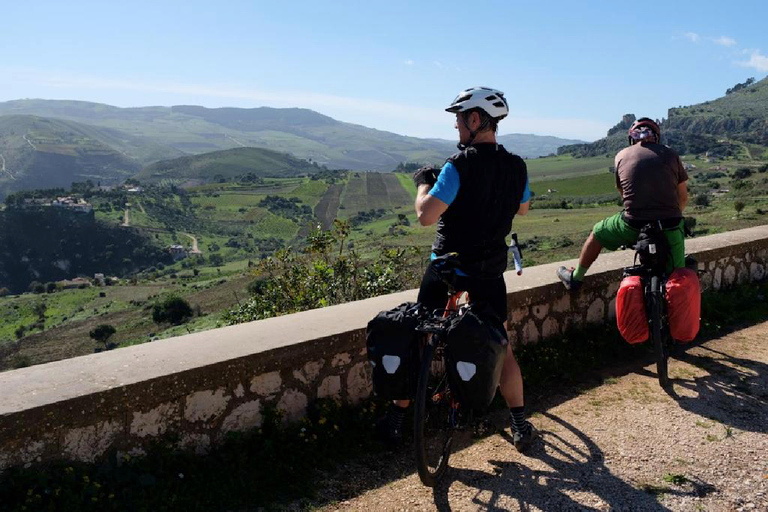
column 438, row 64
column 408, row 62
column 725, row 41
column 692, row 36
column 757, row 60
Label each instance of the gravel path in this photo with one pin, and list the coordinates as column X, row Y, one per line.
column 625, row 445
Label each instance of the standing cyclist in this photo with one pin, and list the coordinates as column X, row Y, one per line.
column 652, row 182
column 473, row 201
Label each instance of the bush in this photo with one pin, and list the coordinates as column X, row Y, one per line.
column 701, row 200
column 36, row 287
column 50, row 287
column 742, row 173
column 4, row 292
column 174, row 310
column 102, row 333
column 216, row 260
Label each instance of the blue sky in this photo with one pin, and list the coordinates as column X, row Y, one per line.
column 569, row 69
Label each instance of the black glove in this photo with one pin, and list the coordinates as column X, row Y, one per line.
column 426, row 175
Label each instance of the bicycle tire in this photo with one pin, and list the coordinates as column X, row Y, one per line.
column 660, row 347
column 433, row 434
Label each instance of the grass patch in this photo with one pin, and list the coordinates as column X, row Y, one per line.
column 675, row 478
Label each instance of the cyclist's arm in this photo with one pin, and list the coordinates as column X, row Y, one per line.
column 428, row 207
column 682, row 195
column 432, row 202
column 525, row 201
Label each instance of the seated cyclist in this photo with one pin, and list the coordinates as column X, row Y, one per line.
column 473, row 201
column 652, row 182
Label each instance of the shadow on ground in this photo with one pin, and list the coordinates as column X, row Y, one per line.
column 734, row 393
column 574, row 464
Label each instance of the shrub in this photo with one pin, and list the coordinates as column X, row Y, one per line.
column 50, row 287
column 701, row 200
column 4, row 292
column 36, row 287
column 742, row 173
column 174, row 310
column 102, row 333
column 216, row 260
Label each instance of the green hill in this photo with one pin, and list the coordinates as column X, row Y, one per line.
column 38, row 152
column 228, row 165
column 191, row 129
column 741, row 116
column 49, row 244
column 301, row 132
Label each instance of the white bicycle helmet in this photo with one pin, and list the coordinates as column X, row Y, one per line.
column 489, row 100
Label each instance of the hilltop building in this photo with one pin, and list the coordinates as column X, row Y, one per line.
column 178, row 252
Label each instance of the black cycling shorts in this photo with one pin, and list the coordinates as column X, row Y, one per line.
column 433, row 293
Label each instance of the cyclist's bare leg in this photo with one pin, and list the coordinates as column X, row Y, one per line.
column 590, row 251
column 402, row 403
column 511, row 383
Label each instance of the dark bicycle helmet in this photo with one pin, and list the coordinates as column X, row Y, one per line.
column 642, row 129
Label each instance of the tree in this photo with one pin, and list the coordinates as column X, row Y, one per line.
column 742, row 173
column 36, row 287
column 738, row 206
column 701, row 200
column 216, row 259
column 174, row 310
column 102, row 333
column 50, row 287
column 4, row 292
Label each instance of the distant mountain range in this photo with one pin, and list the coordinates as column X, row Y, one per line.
column 146, row 135
column 741, row 116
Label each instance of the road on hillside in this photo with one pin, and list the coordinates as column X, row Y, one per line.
column 195, row 249
column 625, row 445
column 126, row 218
column 7, row 171
column 29, row 142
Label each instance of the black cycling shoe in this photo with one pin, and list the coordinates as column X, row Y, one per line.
column 389, row 435
column 523, row 441
column 566, row 276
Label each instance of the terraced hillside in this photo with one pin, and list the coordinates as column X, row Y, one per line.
column 38, row 152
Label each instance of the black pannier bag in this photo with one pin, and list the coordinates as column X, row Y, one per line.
column 392, row 343
column 475, row 348
column 652, row 247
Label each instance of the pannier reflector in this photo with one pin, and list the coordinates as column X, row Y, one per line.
column 391, row 363
column 466, row 370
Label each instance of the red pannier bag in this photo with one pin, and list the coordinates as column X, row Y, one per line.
column 683, row 296
column 630, row 310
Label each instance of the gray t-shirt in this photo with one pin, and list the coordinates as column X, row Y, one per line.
column 648, row 174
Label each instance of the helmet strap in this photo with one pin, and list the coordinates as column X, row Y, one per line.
column 472, row 134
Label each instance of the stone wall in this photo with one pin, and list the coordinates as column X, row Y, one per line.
column 203, row 385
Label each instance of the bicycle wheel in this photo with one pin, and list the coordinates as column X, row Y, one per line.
column 433, row 418
column 659, row 345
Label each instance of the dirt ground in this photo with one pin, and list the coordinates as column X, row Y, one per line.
column 624, row 445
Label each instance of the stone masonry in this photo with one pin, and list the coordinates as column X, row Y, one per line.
column 201, row 386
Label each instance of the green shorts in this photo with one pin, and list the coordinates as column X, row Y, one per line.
column 614, row 232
